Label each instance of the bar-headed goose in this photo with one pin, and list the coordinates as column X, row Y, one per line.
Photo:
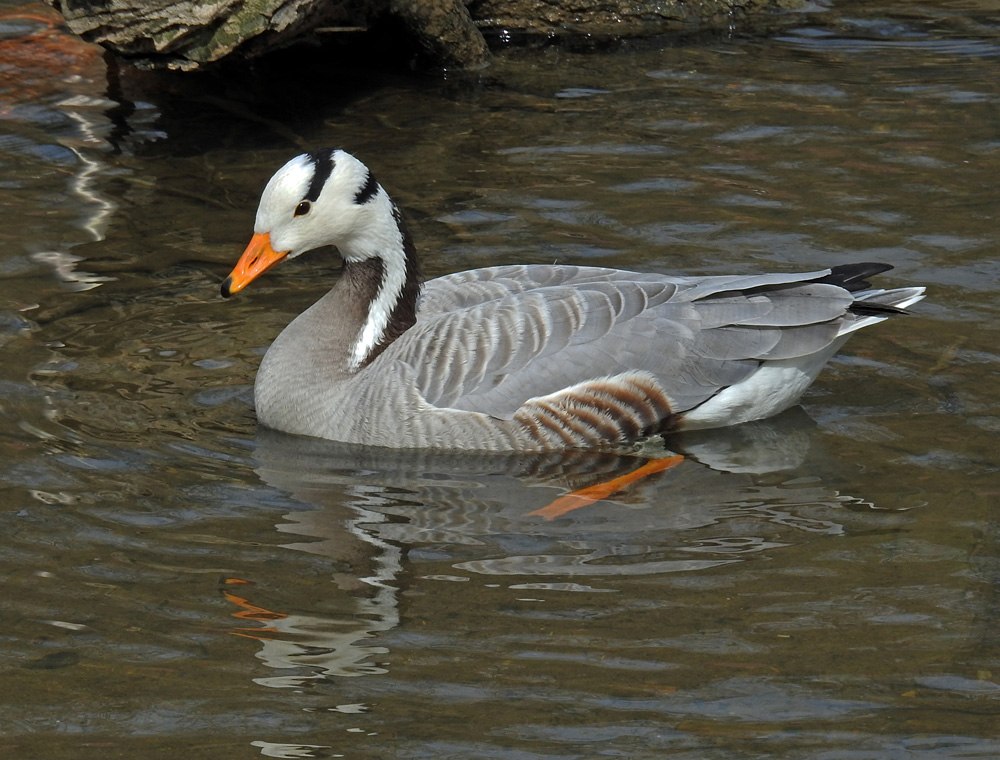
column 526, row 357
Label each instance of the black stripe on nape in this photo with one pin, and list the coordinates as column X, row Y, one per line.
column 367, row 192
column 322, row 161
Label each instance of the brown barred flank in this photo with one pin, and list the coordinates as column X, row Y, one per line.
column 554, row 421
column 571, row 426
column 601, row 423
column 607, row 410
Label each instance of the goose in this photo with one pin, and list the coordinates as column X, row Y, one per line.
column 532, row 357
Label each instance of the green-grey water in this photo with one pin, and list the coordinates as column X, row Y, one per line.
column 176, row 582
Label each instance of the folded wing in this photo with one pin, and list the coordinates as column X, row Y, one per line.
column 492, row 340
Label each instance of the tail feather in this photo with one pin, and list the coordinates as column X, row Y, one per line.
column 874, row 306
column 868, row 301
column 897, row 299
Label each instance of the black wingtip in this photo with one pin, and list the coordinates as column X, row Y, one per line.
column 853, row 277
column 867, row 309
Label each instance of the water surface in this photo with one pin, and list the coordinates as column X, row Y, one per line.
column 824, row 585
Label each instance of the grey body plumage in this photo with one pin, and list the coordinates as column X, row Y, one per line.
column 530, row 357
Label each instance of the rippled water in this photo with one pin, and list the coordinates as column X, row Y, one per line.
column 824, row 585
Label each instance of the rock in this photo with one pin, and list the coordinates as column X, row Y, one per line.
column 185, row 34
column 445, row 30
column 188, row 34
column 617, row 18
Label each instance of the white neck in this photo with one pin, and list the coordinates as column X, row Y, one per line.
column 384, row 240
column 373, row 333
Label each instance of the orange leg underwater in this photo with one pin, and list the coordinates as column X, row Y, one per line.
column 590, row 494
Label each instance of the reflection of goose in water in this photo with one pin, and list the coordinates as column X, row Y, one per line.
column 380, row 513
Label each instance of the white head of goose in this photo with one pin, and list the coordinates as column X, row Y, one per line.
column 527, row 357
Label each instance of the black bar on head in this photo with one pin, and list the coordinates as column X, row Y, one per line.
column 367, row 192
column 322, row 161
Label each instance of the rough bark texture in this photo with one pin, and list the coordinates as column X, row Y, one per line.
column 445, row 30
column 617, row 17
column 186, row 34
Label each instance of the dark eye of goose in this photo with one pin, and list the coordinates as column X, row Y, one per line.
column 302, row 209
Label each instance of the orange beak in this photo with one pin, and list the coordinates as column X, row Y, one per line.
column 256, row 259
